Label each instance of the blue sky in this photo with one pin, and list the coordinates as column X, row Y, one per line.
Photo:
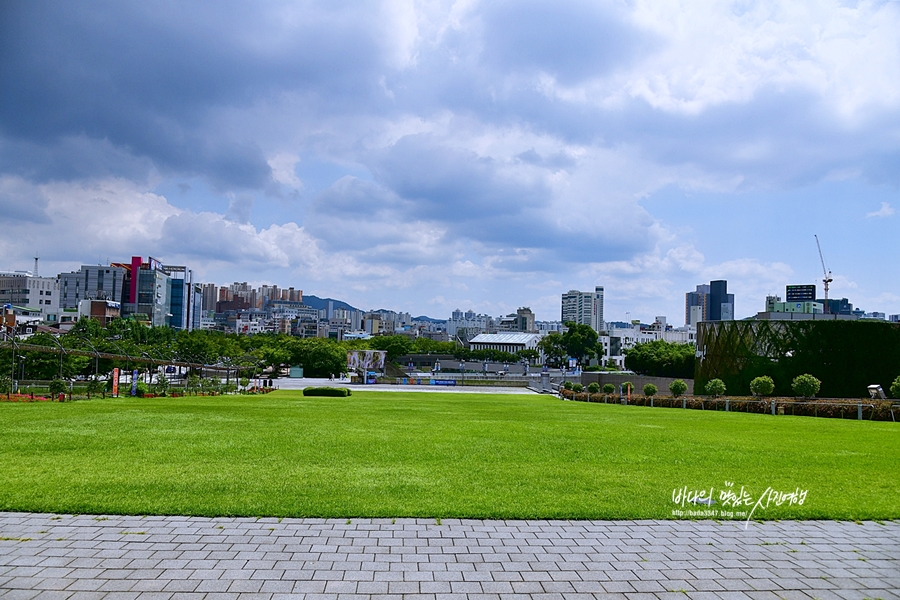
column 426, row 156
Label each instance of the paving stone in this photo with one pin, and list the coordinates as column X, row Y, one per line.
column 416, row 558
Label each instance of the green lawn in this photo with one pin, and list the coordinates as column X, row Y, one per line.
column 430, row 455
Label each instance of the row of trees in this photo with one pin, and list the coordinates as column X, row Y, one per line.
column 660, row 358
column 241, row 354
column 805, row 386
column 656, row 359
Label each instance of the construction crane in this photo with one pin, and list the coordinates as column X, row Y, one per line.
column 827, row 274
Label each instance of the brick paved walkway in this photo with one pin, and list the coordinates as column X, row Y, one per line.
column 74, row 557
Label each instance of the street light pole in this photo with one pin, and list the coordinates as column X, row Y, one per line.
column 12, row 377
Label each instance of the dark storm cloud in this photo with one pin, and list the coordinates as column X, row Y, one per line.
column 449, row 183
column 145, row 76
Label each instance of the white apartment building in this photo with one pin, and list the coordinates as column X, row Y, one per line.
column 584, row 308
column 22, row 290
column 619, row 339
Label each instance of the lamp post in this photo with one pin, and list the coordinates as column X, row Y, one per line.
column 62, row 351
column 12, row 378
column 150, row 370
column 96, row 355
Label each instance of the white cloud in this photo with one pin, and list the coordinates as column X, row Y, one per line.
column 718, row 53
column 283, row 172
column 886, row 210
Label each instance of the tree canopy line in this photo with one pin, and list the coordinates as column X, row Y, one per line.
column 657, row 359
column 319, row 357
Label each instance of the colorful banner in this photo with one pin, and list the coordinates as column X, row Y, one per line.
column 365, row 360
column 115, row 382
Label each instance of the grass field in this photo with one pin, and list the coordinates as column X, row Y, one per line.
column 381, row 454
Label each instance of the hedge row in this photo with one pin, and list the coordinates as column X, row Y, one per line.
column 325, row 391
column 874, row 410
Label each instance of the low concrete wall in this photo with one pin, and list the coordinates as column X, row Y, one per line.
column 639, row 381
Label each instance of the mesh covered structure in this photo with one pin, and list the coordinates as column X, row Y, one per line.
column 846, row 356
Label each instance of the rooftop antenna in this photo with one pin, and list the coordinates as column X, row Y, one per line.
column 827, row 274
column 36, row 258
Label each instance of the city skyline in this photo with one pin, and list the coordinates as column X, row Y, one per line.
column 481, row 156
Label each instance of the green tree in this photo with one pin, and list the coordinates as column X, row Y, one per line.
column 319, row 357
column 395, row 345
column 715, row 387
column 196, row 346
column 58, row 386
column 593, row 388
column 650, row 390
column 245, row 381
column 424, row 345
column 660, row 358
column 274, row 357
column 528, row 354
column 627, row 387
column 161, row 385
column 806, row 385
column 89, row 328
column 554, row 349
column 678, row 387
column 609, row 388
column 577, row 388
column 567, row 385
column 192, row 384
column 895, row 388
column 5, row 384
column 579, row 341
column 95, row 386
column 762, row 386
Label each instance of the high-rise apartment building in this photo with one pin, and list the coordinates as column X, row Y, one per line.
column 584, row 308
column 210, row 295
column 696, row 305
column 709, row 303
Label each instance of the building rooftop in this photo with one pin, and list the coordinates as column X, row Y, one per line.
column 504, row 338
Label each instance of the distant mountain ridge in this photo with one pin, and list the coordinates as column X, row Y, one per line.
column 322, row 304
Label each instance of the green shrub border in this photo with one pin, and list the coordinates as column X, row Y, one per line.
column 326, row 391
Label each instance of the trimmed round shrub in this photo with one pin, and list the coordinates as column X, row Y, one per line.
column 593, row 388
column 577, row 388
column 678, row 387
column 650, row 390
column 627, row 386
column 609, row 388
column 567, row 385
column 806, row 385
column 326, row 391
column 895, row 388
column 762, row 386
column 57, row 387
column 715, row 387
